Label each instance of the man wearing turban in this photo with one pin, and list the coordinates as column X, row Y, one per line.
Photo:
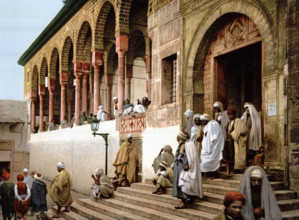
column 102, row 187
column 187, row 183
column 261, row 202
column 233, row 202
column 164, row 155
column 163, row 178
column 126, row 163
column 22, row 200
column 60, row 190
column 7, row 195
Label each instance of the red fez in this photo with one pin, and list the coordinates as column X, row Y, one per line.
column 20, row 177
column 5, row 174
column 232, row 196
column 231, row 112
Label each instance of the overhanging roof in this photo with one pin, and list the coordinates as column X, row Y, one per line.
column 70, row 8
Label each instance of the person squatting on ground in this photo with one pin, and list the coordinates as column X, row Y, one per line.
column 163, row 178
column 261, row 202
column 165, row 155
column 22, row 200
column 38, row 197
column 233, row 202
column 102, row 187
column 126, row 163
column 60, row 190
column 7, row 196
column 187, row 182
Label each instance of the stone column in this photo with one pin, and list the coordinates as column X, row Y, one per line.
column 33, row 96
column 78, row 70
column 63, row 82
column 149, row 75
column 97, row 61
column 86, row 71
column 41, row 92
column 69, row 108
column 108, row 84
column 51, row 88
column 129, row 75
column 121, row 49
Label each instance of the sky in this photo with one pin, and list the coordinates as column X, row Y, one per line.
column 21, row 22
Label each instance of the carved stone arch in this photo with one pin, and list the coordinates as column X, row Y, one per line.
column 80, row 42
column 34, row 79
column 111, row 56
column 100, row 24
column 123, row 17
column 133, row 43
column 67, row 45
column 53, row 63
column 43, row 71
column 87, row 49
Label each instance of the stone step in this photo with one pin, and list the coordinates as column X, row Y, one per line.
column 290, row 215
column 217, row 189
column 111, row 212
column 169, row 208
column 140, row 210
column 67, row 215
column 148, row 187
column 87, row 213
column 285, row 194
column 287, row 205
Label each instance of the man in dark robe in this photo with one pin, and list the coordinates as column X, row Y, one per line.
column 38, row 196
column 7, row 195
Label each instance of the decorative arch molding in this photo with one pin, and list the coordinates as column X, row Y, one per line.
column 80, row 42
column 123, row 18
column 132, row 43
column 43, row 71
column 34, row 78
column 206, row 31
column 65, row 53
column 100, row 24
column 53, row 63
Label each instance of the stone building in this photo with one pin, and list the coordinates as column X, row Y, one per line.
column 182, row 54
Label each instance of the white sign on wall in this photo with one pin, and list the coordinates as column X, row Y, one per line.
column 272, row 109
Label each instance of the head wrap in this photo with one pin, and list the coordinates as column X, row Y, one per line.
column 5, row 174
column 219, row 118
column 205, row 117
column 246, row 104
column 167, row 148
column 218, row 105
column 129, row 136
column 25, row 170
column 231, row 112
column 196, row 116
column 256, row 173
column 101, row 107
column 232, row 196
column 82, row 111
column 61, row 165
column 163, row 164
column 20, row 177
column 189, row 113
column 99, row 171
column 114, row 98
column 183, row 135
column 38, row 176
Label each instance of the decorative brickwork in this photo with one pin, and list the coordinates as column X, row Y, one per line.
column 132, row 124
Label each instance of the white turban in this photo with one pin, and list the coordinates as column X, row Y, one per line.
column 114, row 98
column 218, row 105
column 25, row 170
column 189, row 113
column 205, row 117
column 246, row 104
column 183, row 136
column 100, row 107
column 129, row 136
column 61, row 165
column 99, row 171
column 256, row 173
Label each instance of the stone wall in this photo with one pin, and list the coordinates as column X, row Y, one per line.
column 292, row 93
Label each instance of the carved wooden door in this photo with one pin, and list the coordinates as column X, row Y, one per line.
column 221, row 81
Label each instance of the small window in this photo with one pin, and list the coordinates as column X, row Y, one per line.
column 169, row 79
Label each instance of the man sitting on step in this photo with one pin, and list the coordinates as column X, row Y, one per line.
column 163, row 178
column 102, row 187
column 260, row 199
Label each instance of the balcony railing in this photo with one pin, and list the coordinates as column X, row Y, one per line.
column 132, row 123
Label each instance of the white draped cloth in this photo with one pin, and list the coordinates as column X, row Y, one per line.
column 212, row 147
column 190, row 181
column 224, row 120
column 255, row 135
column 128, row 110
column 139, row 108
column 194, row 128
column 28, row 180
column 102, row 116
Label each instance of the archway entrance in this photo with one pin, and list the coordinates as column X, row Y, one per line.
column 238, row 77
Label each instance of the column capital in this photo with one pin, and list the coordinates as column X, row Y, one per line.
column 122, row 44
column 86, row 69
column 41, row 90
column 97, row 58
column 78, row 67
column 63, row 77
column 51, row 84
column 33, row 95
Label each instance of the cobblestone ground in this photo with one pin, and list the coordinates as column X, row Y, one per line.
column 50, row 203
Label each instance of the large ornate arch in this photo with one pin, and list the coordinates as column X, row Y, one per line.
column 34, row 79
column 80, row 42
column 132, row 43
column 123, row 17
column 65, row 53
column 53, row 63
column 43, row 71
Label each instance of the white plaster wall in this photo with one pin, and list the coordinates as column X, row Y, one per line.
column 81, row 152
column 138, row 82
column 153, row 140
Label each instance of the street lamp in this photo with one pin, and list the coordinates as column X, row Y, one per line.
column 94, row 126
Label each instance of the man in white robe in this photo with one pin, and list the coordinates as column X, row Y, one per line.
column 212, row 147
column 139, row 108
column 195, row 127
column 27, row 178
column 115, row 108
column 221, row 117
column 102, row 115
column 128, row 108
column 189, row 115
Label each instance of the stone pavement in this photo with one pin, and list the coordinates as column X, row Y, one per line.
column 50, row 203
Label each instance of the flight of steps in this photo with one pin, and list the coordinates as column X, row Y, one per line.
column 137, row 202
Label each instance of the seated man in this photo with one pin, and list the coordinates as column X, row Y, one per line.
column 102, row 187
column 128, row 108
column 146, row 102
column 102, row 115
column 233, row 202
column 261, row 202
column 140, row 108
column 164, row 155
column 163, row 178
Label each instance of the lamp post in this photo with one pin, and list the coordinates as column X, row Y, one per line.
column 95, row 123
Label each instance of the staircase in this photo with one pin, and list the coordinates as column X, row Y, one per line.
column 137, row 202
